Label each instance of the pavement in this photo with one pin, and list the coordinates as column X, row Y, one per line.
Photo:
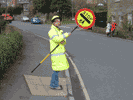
column 20, row 84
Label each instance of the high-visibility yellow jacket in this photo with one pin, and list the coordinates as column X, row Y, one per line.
column 58, row 56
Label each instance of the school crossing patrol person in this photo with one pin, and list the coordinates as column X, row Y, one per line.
column 58, row 56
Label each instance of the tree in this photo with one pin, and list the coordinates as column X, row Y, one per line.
column 0, row 5
column 78, row 4
column 43, row 6
column 38, row 4
column 47, row 6
column 63, row 6
column 10, row 10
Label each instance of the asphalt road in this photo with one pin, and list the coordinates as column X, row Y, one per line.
column 105, row 64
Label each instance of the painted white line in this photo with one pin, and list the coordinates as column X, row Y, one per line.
column 76, row 29
column 70, row 25
column 62, row 26
column 38, row 35
column 81, row 81
column 65, row 27
column 42, row 37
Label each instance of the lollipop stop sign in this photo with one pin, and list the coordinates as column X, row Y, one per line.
column 85, row 18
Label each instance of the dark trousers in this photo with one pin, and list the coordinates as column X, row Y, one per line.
column 113, row 32
column 108, row 34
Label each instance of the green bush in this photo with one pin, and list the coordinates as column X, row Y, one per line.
column 10, row 45
column 125, row 31
column 3, row 23
column 10, row 10
column 2, row 10
column 126, row 26
column 28, row 15
column 37, row 15
column 116, row 32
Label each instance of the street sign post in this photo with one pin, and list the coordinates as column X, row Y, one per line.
column 85, row 18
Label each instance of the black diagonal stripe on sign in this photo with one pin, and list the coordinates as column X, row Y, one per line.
column 85, row 18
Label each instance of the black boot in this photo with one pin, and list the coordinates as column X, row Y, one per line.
column 107, row 34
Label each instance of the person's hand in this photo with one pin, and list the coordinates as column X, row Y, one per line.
column 61, row 31
column 69, row 33
column 62, row 42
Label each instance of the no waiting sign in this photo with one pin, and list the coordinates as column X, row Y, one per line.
column 85, row 18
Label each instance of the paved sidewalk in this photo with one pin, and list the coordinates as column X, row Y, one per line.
column 15, row 86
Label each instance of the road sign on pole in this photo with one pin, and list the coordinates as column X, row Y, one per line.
column 85, row 18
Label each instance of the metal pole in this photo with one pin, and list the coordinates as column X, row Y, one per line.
column 72, row 9
column 6, row 9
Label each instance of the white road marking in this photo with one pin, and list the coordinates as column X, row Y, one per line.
column 65, row 27
column 42, row 37
column 71, row 25
column 81, row 81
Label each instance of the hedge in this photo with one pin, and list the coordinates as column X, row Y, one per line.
column 10, row 45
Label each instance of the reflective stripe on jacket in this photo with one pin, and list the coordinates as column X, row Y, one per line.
column 58, row 57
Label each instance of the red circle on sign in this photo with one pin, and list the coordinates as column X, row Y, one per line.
column 94, row 18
